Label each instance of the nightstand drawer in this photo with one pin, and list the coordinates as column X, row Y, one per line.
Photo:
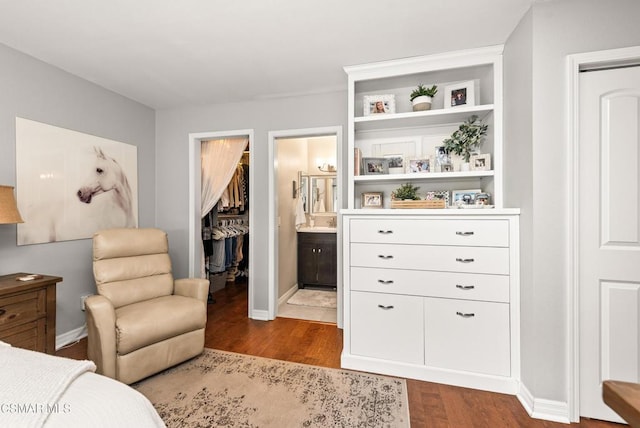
column 21, row 308
column 467, row 286
column 30, row 335
column 431, row 257
column 482, row 233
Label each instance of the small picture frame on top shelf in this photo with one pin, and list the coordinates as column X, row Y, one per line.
column 375, row 166
column 379, row 104
column 372, row 200
column 459, row 94
column 395, row 164
column 481, row 162
column 417, row 166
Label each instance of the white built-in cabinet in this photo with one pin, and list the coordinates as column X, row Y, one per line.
column 430, row 294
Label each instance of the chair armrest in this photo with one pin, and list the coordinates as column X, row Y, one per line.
column 101, row 327
column 198, row 288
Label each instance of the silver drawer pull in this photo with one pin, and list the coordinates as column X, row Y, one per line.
column 458, row 259
column 465, row 287
column 385, row 257
column 386, row 308
column 382, row 281
column 464, row 315
column 464, row 233
column 385, row 232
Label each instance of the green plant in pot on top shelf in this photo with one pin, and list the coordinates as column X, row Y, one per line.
column 405, row 192
column 466, row 139
column 421, row 97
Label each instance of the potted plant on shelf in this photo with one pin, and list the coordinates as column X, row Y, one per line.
column 466, row 139
column 421, row 97
column 405, row 192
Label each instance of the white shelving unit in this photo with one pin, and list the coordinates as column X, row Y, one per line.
column 430, row 294
column 377, row 135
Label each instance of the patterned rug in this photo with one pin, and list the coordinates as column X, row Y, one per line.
column 223, row 389
column 317, row 298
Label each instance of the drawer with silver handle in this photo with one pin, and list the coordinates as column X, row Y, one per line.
column 454, row 285
column 473, row 232
column 431, row 257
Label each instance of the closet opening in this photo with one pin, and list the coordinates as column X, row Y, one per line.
column 220, row 210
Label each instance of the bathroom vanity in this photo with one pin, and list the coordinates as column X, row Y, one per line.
column 317, row 258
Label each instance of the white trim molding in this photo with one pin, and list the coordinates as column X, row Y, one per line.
column 549, row 410
column 575, row 64
column 71, row 336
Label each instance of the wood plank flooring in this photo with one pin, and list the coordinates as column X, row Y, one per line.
column 430, row 405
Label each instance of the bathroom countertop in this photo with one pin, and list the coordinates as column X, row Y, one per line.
column 317, row 229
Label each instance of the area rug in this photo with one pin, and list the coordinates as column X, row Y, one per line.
column 224, row 389
column 317, row 298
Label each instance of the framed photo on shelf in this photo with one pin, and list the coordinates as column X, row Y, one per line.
column 375, row 166
column 459, row 94
column 372, row 200
column 464, row 197
column 419, row 166
column 442, row 161
column 379, row 104
column 439, row 194
column 480, row 162
column 395, row 164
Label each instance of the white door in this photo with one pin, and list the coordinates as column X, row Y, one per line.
column 609, row 234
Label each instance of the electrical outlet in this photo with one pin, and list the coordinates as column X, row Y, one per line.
column 82, row 299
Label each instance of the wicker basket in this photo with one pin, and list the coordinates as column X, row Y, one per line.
column 424, row 204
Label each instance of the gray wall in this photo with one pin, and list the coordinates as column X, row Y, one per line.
column 550, row 31
column 172, row 130
column 34, row 90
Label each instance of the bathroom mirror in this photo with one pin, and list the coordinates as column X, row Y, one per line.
column 303, row 190
column 323, row 197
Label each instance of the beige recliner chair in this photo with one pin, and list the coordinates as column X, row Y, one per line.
column 141, row 321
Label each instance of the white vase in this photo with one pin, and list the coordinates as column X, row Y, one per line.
column 421, row 103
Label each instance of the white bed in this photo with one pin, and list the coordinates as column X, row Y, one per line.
column 40, row 390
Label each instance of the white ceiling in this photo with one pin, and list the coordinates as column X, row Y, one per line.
column 170, row 53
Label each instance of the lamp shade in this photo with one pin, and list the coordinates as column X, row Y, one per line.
column 8, row 209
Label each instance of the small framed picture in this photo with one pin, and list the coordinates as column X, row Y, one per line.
column 480, row 162
column 464, row 197
column 375, row 166
column 379, row 104
column 372, row 200
column 419, row 165
column 459, row 94
column 395, row 163
column 446, row 167
column 442, row 161
column 438, row 194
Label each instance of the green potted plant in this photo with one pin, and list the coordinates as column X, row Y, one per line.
column 466, row 139
column 406, row 192
column 421, row 97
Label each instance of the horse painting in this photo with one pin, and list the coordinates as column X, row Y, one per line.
column 107, row 176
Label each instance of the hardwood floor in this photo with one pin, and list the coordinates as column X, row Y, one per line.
column 430, row 404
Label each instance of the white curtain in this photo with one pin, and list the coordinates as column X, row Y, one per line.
column 219, row 160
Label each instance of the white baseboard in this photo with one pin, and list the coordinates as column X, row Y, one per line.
column 538, row 408
column 260, row 315
column 290, row 292
column 71, row 336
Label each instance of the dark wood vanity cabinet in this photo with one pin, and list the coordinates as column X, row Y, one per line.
column 317, row 259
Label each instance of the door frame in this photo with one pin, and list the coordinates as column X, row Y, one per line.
column 575, row 64
column 195, row 199
column 273, row 203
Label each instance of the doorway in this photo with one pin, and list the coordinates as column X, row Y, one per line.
column 196, row 253
column 605, row 224
column 300, row 160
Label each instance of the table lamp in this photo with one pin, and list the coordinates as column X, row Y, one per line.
column 8, row 209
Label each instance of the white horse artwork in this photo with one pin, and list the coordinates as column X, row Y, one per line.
column 107, row 176
column 70, row 184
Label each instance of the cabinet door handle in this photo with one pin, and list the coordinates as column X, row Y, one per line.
column 382, row 281
column 458, row 259
column 385, row 257
column 2, row 312
column 319, row 250
column 465, row 315
column 464, row 233
column 385, row 232
column 465, row 287
column 386, row 308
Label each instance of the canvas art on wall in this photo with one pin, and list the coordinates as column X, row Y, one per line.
column 70, row 184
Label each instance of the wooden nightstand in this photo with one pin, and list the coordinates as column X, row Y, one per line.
column 28, row 312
